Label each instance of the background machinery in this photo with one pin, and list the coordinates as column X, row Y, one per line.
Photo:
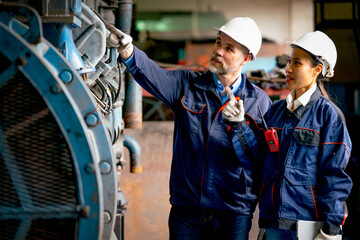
column 65, row 101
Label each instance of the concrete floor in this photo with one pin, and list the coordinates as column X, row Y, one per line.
column 147, row 193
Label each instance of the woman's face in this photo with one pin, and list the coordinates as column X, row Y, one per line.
column 300, row 74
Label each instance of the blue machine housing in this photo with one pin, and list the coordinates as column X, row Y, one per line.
column 60, row 127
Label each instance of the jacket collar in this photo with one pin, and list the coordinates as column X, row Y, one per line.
column 300, row 112
column 207, row 83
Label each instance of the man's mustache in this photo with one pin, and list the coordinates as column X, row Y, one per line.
column 216, row 58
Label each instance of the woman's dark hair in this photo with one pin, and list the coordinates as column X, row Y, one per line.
column 320, row 77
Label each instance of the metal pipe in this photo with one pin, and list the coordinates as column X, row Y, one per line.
column 135, row 154
column 123, row 15
column 132, row 103
column 133, row 92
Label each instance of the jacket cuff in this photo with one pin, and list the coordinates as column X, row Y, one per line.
column 331, row 229
column 235, row 125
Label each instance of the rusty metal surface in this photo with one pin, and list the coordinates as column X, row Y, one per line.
column 133, row 120
column 147, row 193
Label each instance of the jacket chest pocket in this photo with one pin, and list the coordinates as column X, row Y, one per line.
column 307, row 137
column 304, row 151
column 191, row 105
column 194, row 111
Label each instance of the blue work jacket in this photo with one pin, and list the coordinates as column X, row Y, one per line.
column 305, row 179
column 205, row 171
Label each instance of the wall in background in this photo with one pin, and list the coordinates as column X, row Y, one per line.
column 278, row 20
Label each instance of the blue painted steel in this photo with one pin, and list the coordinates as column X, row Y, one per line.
column 62, row 106
column 76, row 8
column 60, row 35
column 7, row 15
column 70, row 104
column 100, row 139
column 91, row 120
column 66, row 76
column 93, row 139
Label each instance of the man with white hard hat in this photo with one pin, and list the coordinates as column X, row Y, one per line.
column 213, row 192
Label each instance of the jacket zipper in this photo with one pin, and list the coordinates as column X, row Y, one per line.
column 207, row 141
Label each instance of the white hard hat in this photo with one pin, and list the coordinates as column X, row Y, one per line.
column 244, row 31
column 320, row 45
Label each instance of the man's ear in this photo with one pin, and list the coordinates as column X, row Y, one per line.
column 247, row 58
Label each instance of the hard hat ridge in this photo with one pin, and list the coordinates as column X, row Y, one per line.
column 244, row 31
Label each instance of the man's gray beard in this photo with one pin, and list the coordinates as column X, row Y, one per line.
column 222, row 70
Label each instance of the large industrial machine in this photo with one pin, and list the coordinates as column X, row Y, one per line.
column 65, row 101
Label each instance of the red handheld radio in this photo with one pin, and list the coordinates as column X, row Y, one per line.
column 271, row 136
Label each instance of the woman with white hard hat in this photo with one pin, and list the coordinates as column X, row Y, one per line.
column 305, row 156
